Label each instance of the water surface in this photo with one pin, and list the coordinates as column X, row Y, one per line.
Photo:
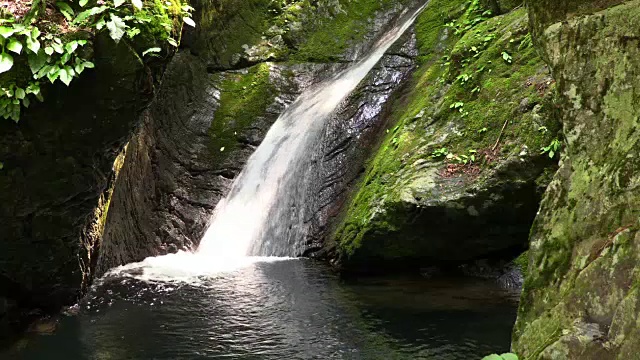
column 295, row 309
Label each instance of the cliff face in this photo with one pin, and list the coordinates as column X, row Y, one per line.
column 460, row 173
column 60, row 163
column 581, row 297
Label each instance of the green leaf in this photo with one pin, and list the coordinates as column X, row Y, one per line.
column 65, row 58
column 6, row 31
column 66, row 10
column 33, row 88
column 507, row 57
column 82, row 3
column 79, row 68
column 37, row 61
column 54, row 74
column 48, row 50
column 117, row 3
column 493, row 357
column 35, row 33
column 19, row 27
column 6, row 62
column 20, row 94
column 116, row 28
column 151, row 50
column 137, row 3
column 71, row 46
column 84, row 15
column 33, row 45
column 15, row 46
column 88, row 64
column 58, row 48
column 509, row 356
column 43, row 71
column 1, row 165
column 26, row 102
column 132, row 32
column 189, row 21
column 172, row 42
column 66, row 75
column 100, row 24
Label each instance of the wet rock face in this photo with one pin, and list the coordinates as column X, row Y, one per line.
column 581, row 297
column 176, row 170
column 338, row 155
column 58, row 171
column 352, row 135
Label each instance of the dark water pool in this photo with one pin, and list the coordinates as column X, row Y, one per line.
column 296, row 309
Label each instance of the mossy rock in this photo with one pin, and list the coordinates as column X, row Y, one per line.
column 581, row 289
column 238, row 33
column 409, row 205
column 501, row 6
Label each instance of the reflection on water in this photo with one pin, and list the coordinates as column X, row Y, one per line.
column 294, row 309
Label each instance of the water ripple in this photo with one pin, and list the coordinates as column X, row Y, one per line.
column 295, row 309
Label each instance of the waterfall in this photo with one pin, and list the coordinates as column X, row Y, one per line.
column 253, row 223
column 240, row 221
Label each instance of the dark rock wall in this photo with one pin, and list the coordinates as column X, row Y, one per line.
column 174, row 174
column 58, row 172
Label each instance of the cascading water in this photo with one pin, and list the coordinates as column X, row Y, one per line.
column 239, row 222
column 253, row 207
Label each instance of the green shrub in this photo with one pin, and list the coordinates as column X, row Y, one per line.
column 55, row 54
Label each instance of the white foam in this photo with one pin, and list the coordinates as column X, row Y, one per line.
column 186, row 267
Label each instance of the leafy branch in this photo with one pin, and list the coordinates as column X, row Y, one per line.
column 56, row 55
column 552, row 149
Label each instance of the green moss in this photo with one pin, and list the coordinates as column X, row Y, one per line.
column 288, row 30
column 244, row 97
column 584, row 243
column 329, row 39
column 522, row 262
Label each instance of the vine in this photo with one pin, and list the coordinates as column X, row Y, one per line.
column 54, row 51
